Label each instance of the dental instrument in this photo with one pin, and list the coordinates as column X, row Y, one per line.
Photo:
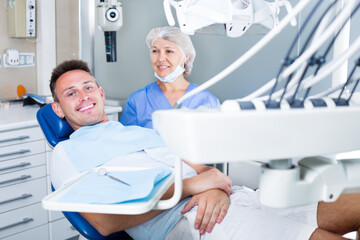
column 103, row 172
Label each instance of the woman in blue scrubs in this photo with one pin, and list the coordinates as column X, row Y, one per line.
column 172, row 55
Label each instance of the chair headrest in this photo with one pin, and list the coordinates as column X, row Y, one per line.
column 54, row 128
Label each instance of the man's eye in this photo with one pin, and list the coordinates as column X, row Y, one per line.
column 154, row 51
column 70, row 94
column 88, row 88
column 170, row 51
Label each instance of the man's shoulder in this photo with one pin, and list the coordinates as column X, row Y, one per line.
column 59, row 147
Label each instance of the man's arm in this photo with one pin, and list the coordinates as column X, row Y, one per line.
column 207, row 178
column 107, row 224
column 213, row 203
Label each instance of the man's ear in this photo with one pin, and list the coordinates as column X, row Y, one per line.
column 102, row 93
column 57, row 109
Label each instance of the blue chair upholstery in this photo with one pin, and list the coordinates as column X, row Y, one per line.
column 56, row 130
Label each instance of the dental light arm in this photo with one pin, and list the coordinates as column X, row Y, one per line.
column 110, row 20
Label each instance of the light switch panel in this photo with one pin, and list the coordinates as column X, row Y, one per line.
column 13, row 58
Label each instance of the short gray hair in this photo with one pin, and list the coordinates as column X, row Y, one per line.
column 175, row 35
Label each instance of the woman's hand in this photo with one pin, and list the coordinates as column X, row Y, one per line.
column 212, row 208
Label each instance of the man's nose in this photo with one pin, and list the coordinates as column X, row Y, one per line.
column 83, row 95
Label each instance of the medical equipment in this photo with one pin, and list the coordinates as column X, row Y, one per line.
column 281, row 125
column 103, row 172
column 234, row 16
column 110, row 20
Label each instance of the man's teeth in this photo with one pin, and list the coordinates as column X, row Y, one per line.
column 87, row 107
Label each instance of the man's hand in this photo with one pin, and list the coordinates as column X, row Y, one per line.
column 214, row 178
column 212, row 208
column 210, row 179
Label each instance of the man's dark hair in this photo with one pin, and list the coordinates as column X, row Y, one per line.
column 64, row 67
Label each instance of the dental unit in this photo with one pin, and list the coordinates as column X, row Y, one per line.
column 275, row 124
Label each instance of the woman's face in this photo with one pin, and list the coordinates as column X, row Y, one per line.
column 165, row 57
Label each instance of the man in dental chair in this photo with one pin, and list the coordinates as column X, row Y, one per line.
column 210, row 207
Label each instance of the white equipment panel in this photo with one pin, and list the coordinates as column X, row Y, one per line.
column 213, row 136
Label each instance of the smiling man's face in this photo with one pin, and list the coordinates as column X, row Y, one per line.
column 81, row 100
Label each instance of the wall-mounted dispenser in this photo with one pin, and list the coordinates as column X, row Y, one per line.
column 21, row 18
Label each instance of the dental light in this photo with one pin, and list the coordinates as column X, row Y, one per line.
column 110, row 20
column 230, row 17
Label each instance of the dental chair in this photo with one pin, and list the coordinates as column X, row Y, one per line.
column 56, row 130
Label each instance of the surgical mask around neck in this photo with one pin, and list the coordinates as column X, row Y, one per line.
column 171, row 77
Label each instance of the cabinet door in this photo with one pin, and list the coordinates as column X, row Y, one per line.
column 21, row 150
column 22, row 194
column 39, row 233
column 22, row 176
column 20, row 136
column 21, row 163
column 22, row 219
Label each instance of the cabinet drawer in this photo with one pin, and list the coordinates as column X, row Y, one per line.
column 22, row 219
column 22, row 163
column 62, row 229
column 39, row 233
column 21, row 195
column 22, row 176
column 22, row 150
column 20, row 136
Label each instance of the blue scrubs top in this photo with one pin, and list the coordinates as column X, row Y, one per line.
column 142, row 103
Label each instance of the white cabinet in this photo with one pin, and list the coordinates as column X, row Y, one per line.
column 24, row 178
column 22, row 181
